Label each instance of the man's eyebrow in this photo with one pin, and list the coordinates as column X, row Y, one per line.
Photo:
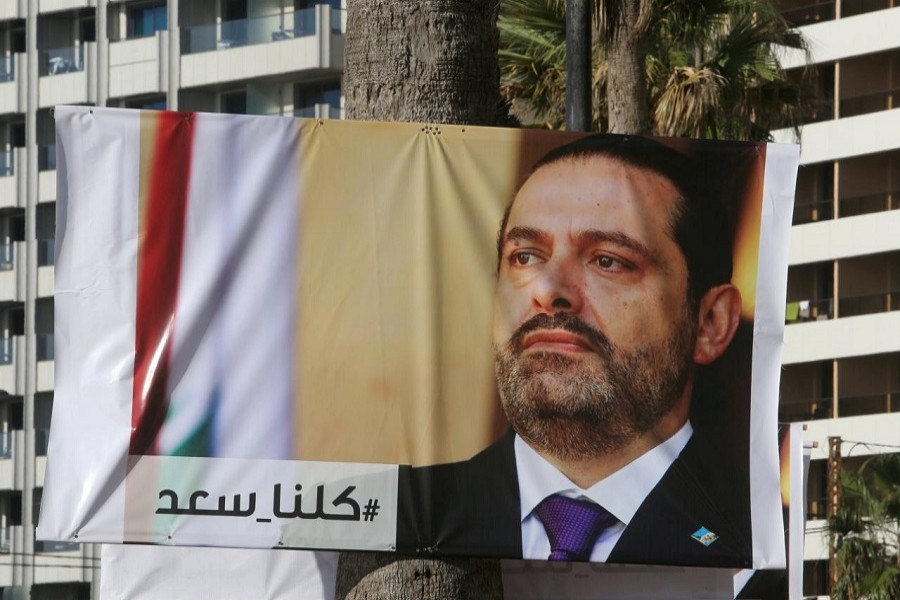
column 598, row 236
column 524, row 234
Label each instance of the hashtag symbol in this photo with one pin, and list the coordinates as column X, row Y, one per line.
column 371, row 510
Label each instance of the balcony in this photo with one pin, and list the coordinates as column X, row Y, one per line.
column 12, row 272
column 45, row 547
column 841, row 238
column 13, row 83
column 308, row 41
column 868, row 103
column 46, row 253
column 10, row 539
column 879, row 433
column 58, row 61
column 7, row 163
column 44, row 352
column 249, row 32
column 822, row 210
column 12, row 364
column 849, row 306
column 848, row 406
column 842, row 338
column 12, row 179
column 46, row 173
column 67, row 75
column 44, row 347
column 15, row 9
column 319, row 111
column 807, row 13
column 46, row 6
column 851, row 8
column 11, row 459
column 139, row 66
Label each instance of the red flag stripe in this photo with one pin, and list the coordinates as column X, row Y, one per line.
column 159, row 264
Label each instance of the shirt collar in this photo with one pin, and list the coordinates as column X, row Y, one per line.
column 620, row 493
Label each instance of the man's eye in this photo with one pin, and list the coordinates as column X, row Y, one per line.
column 609, row 263
column 523, row 259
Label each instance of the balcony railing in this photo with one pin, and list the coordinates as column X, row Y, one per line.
column 6, row 540
column 7, row 68
column 248, row 32
column 810, row 212
column 822, row 210
column 808, row 310
column 325, row 111
column 7, row 163
column 44, row 546
column 44, row 346
column 805, row 411
column 869, row 203
column 7, row 257
column 869, row 404
column 815, row 12
column 337, row 20
column 869, row 304
column 7, row 351
column 848, row 306
column 817, row 508
column 823, row 111
column 870, row 103
column 850, row 8
column 57, row 61
column 46, row 251
column 47, row 158
column 6, row 444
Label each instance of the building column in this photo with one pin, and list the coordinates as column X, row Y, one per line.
column 174, row 58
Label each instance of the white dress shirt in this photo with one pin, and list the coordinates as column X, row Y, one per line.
column 620, row 493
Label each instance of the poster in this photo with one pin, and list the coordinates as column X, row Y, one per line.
column 280, row 333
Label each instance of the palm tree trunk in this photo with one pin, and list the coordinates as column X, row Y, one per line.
column 369, row 576
column 626, row 83
column 431, row 61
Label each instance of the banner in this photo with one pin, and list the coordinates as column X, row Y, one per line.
column 785, row 583
column 280, row 333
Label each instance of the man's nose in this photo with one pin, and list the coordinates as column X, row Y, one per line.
column 557, row 289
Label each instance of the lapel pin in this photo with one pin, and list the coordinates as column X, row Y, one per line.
column 704, row 536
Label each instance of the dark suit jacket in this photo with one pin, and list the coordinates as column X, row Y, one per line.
column 472, row 508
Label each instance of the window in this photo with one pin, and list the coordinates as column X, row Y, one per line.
column 301, row 4
column 323, row 93
column 146, row 20
column 234, row 103
column 87, row 30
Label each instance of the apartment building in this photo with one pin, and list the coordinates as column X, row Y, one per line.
column 842, row 340
column 280, row 57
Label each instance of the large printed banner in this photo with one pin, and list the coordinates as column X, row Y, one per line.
column 280, row 333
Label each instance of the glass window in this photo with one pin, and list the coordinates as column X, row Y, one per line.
column 326, row 93
column 147, row 20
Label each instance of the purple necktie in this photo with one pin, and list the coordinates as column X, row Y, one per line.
column 572, row 526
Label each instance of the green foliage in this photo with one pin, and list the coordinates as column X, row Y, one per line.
column 711, row 67
column 867, row 532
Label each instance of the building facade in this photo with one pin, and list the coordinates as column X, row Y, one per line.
column 279, row 57
column 842, row 340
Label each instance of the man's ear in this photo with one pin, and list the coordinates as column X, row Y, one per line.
column 719, row 314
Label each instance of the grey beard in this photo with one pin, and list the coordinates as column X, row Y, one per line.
column 579, row 408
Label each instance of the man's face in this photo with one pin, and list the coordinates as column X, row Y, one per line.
column 593, row 332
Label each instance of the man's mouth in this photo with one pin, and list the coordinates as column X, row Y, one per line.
column 560, row 333
column 556, row 340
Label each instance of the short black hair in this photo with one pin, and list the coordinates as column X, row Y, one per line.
column 703, row 224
